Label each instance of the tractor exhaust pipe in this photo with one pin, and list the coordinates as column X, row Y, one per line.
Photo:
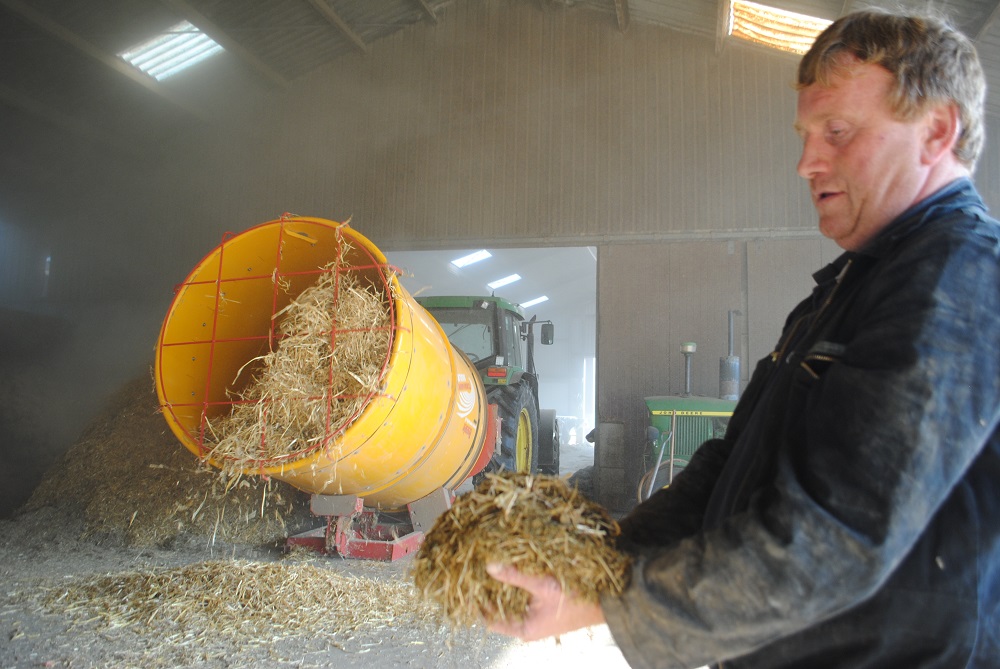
column 688, row 348
column 729, row 367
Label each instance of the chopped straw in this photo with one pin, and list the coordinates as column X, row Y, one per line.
column 536, row 523
column 248, row 602
column 133, row 482
column 334, row 340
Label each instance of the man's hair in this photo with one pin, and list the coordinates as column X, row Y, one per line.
column 931, row 63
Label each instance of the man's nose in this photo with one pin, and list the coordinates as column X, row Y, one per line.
column 813, row 160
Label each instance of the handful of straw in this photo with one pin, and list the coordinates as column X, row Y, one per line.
column 536, row 523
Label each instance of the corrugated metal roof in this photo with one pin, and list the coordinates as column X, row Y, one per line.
column 57, row 57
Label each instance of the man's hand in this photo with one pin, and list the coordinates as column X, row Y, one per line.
column 551, row 611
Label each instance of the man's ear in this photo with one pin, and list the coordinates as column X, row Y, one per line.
column 942, row 128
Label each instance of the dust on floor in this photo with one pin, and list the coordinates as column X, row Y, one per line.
column 93, row 573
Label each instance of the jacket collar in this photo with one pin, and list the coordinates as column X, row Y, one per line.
column 958, row 194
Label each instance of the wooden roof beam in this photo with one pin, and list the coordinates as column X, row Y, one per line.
column 988, row 23
column 428, row 11
column 334, row 18
column 721, row 26
column 623, row 15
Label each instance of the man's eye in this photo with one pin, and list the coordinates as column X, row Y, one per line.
column 836, row 133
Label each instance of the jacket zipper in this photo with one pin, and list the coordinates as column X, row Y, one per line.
column 777, row 356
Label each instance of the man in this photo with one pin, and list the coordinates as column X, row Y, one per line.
column 851, row 515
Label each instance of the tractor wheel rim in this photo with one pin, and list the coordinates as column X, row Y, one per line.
column 524, row 445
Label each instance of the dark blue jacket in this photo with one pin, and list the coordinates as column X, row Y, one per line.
column 850, row 518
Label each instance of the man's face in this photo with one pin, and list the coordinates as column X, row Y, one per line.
column 863, row 164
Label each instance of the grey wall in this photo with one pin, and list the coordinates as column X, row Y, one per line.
column 652, row 298
column 506, row 122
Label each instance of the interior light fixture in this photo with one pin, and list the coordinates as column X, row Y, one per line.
column 773, row 27
column 471, row 258
column 537, row 300
column 500, row 283
column 175, row 49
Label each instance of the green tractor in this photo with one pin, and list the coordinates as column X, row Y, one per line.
column 489, row 330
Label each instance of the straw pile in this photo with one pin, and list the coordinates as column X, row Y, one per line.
column 131, row 481
column 248, row 602
column 333, row 346
column 536, row 523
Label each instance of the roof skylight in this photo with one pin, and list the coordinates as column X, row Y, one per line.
column 773, row 27
column 177, row 48
column 500, row 283
column 537, row 300
column 471, row 258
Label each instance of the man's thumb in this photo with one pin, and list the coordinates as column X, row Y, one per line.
column 499, row 571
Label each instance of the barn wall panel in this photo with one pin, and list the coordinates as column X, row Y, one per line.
column 518, row 124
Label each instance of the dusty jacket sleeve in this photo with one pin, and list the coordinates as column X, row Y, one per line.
column 871, row 447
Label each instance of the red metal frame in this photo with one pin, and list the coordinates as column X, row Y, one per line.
column 364, row 534
column 492, row 438
column 353, row 531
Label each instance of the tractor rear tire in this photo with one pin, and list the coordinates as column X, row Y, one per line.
column 663, row 479
column 518, row 428
column 549, row 442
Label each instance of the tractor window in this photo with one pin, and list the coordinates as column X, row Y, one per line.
column 513, row 333
column 470, row 330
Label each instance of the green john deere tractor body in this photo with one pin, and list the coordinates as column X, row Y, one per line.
column 493, row 333
column 683, row 423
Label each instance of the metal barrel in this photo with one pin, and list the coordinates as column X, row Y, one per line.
column 422, row 430
column 729, row 367
column 729, row 378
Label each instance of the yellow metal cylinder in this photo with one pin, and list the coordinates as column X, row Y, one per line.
column 424, row 429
